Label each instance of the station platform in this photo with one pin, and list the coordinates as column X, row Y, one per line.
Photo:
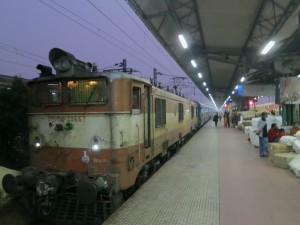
column 217, row 177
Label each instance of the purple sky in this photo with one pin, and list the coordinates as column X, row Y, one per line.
column 104, row 32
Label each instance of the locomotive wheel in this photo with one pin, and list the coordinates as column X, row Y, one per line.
column 168, row 155
column 138, row 182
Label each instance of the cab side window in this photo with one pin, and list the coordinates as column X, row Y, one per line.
column 160, row 112
column 136, row 99
column 180, row 111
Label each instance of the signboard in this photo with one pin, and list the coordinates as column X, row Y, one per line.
column 256, row 90
column 289, row 90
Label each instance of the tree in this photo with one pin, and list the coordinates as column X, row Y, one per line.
column 14, row 124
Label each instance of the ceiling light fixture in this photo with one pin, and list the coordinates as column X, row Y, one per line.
column 213, row 101
column 207, row 89
column 193, row 63
column 236, row 87
column 268, row 47
column 243, row 79
column 200, row 75
column 298, row 75
column 204, row 84
column 182, row 41
column 232, row 92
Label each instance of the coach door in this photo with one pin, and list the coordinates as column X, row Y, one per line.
column 147, row 114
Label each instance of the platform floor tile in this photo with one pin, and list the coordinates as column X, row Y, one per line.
column 185, row 191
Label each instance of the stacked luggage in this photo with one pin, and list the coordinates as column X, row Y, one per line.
column 286, row 153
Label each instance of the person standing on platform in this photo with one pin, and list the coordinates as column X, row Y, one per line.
column 216, row 119
column 225, row 119
column 262, row 132
column 228, row 119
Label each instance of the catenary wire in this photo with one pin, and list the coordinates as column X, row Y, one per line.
column 12, row 62
column 126, row 34
column 20, row 54
column 90, row 30
column 98, row 29
column 153, row 42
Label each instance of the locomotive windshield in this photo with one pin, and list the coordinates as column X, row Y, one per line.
column 47, row 93
column 70, row 92
column 87, row 91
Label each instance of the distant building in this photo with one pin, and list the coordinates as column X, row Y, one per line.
column 6, row 81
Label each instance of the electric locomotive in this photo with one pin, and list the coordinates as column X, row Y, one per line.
column 95, row 136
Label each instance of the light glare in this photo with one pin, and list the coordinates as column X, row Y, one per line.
column 193, row 63
column 182, row 41
column 267, row 47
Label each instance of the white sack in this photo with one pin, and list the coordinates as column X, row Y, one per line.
column 295, row 165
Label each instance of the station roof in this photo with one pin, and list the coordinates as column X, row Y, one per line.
column 225, row 39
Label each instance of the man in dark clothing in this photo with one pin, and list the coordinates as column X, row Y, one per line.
column 216, row 119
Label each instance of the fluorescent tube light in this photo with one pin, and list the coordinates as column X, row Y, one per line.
column 213, row 101
column 182, row 41
column 200, row 75
column 267, row 47
column 193, row 63
column 204, row 84
column 242, row 79
column 236, row 87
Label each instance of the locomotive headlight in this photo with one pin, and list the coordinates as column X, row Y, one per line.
column 38, row 142
column 62, row 64
column 96, row 144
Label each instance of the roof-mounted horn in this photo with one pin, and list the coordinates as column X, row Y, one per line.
column 66, row 64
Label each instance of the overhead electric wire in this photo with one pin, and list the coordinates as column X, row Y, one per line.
column 7, row 61
column 163, row 52
column 134, row 41
column 90, row 30
column 98, row 29
column 18, row 53
column 21, row 50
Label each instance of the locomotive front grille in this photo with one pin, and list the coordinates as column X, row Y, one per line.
column 68, row 210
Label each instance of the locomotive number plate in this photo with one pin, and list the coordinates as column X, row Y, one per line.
column 67, row 118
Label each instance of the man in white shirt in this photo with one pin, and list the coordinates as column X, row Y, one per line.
column 262, row 132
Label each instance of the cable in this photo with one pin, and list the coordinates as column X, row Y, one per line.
column 5, row 49
column 94, row 33
column 142, row 30
column 21, row 50
column 98, row 29
column 7, row 61
column 126, row 34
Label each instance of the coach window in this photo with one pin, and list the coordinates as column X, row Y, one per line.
column 180, row 111
column 192, row 111
column 136, row 99
column 160, row 112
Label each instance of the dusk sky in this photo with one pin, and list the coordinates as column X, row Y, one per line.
column 100, row 31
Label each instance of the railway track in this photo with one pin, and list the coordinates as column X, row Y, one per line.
column 12, row 212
